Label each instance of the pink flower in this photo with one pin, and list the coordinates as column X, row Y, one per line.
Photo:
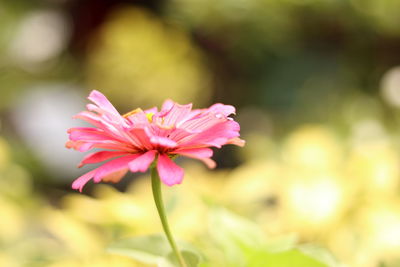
column 134, row 140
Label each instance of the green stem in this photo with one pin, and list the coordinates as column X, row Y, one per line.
column 156, row 187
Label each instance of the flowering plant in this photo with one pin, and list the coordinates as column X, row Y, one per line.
column 138, row 138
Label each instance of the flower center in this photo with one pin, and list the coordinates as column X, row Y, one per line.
column 132, row 112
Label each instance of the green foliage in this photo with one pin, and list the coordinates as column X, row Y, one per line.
column 243, row 243
column 289, row 258
column 154, row 249
column 233, row 241
column 191, row 258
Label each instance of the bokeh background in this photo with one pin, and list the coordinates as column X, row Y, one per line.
column 316, row 84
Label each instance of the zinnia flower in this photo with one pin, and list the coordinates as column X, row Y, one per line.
column 134, row 140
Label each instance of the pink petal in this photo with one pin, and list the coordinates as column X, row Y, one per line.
column 196, row 152
column 152, row 110
column 100, row 156
column 113, row 166
column 167, row 105
column 226, row 110
column 141, row 138
column 201, row 123
column 142, row 163
column 100, row 100
column 236, row 141
column 77, row 134
column 99, row 122
column 176, row 114
column 89, row 117
column 170, row 173
column 80, row 182
column 178, row 134
column 84, row 146
column 217, row 135
column 138, row 119
column 202, row 154
column 115, row 176
column 163, row 142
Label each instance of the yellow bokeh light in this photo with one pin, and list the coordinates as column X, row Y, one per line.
column 314, row 204
column 312, row 147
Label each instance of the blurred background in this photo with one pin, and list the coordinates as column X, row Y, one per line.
column 316, row 84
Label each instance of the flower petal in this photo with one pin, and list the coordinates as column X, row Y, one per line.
column 80, row 182
column 163, row 141
column 167, row 105
column 202, row 154
column 170, row 173
column 88, row 134
column 195, row 152
column 217, row 135
column 236, row 141
column 201, row 123
column 225, row 110
column 100, row 156
column 100, row 100
column 113, row 166
column 176, row 114
column 115, row 177
column 142, row 163
column 101, row 123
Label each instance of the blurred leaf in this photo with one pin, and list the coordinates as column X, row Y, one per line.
column 291, row 258
column 244, row 244
column 154, row 249
column 319, row 253
column 192, row 259
column 225, row 225
column 148, row 249
column 282, row 243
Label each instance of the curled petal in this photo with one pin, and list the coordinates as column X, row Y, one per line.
column 142, row 163
column 170, row 173
column 100, row 100
column 225, row 110
column 80, row 182
column 236, row 141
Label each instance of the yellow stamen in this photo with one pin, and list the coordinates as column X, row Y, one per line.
column 130, row 113
column 150, row 116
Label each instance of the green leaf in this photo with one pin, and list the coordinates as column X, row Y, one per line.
column 234, row 235
column 225, row 225
column 290, row 258
column 147, row 249
column 154, row 249
column 319, row 253
column 191, row 258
